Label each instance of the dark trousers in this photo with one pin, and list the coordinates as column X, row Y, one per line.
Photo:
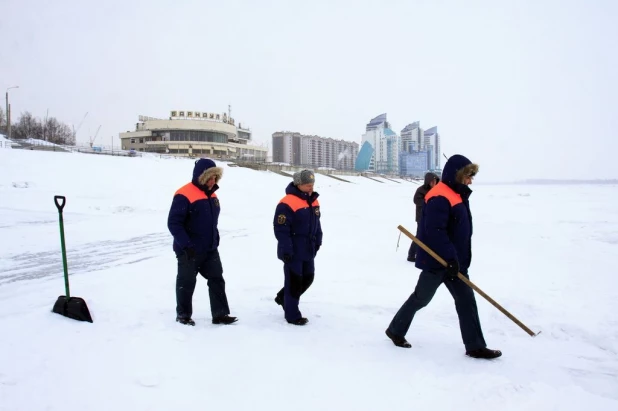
column 209, row 266
column 465, row 304
column 298, row 277
column 413, row 247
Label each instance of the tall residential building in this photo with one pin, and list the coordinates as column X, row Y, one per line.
column 378, row 122
column 431, row 143
column 379, row 151
column 313, row 151
column 412, row 137
column 420, row 150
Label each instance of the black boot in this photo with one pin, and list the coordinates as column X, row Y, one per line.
column 484, row 353
column 300, row 321
column 279, row 301
column 185, row 321
column 224, row 319
column 398, row 341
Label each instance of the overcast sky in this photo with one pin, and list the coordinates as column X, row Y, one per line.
column 525, row 88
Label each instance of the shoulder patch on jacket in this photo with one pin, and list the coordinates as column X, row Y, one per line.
column 191, row 192
column 294, row 202
column 445, row 191
column 281, row 219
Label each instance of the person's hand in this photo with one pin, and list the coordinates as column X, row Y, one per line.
column 190, row 253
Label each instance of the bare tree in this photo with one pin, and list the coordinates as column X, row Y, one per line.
column 50, row 130
column 66, row 134
column 57, row 132
column 27, row 126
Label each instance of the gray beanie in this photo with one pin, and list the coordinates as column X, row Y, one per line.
column 304, row 177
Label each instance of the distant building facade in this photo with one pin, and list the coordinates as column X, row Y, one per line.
column 313, row 151
column 193, row 134
column 431, row 144
column 413, row 153
column 379, row 148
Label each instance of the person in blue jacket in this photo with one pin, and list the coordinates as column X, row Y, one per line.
column 299, row 237
column 193, row 220
column 446, row 228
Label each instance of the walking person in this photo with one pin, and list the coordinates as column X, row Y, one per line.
column 299, row 237
column 431, row 180
column 446, row 228
column 193, row 221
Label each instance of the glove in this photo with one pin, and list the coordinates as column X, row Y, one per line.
column 317, row 247
column 287, row 258
column 452, row 268
column 190, row 253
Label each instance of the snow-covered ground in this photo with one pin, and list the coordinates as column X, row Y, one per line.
column 4, row 142
column 544, row 252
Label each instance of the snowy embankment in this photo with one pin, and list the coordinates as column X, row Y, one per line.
column 543, row 252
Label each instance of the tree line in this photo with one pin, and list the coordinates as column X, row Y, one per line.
column 29, row 126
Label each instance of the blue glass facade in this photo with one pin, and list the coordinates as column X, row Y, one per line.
column 414, row 164
column 364, row 157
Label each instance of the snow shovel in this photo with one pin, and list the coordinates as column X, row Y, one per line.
column 469, row 283
column 71, row 307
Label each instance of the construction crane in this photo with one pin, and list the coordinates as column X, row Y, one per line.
column 78, row 127
column 95, row 136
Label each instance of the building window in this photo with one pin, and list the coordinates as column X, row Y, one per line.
column 194, row 135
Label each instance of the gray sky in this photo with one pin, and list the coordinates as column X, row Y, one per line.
column 525, row 88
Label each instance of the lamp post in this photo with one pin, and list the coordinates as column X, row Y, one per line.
column 8, row 113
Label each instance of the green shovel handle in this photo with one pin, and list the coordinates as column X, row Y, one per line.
column 60, row 206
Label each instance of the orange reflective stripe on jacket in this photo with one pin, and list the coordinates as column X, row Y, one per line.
column 193, row 193
column 445, row 191
column 296, row 203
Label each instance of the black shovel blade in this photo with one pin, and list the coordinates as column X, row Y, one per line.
column 74, row 308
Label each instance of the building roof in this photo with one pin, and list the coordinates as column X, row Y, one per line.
column 376, row 121
column 411, row 126
column 433, row 130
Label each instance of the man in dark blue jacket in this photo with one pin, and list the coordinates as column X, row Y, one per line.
column 299, row 237
column 193, row 220
column 446, row 228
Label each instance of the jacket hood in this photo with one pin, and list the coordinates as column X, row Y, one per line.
column 429, row 177
column 456, row 168
column 293, row 189
column 203, row 170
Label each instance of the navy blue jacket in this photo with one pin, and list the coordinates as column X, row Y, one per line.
column 194, row 214
column 446, row 221
column 297, row 225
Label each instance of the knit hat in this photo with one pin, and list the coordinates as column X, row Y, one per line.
column 304, row 177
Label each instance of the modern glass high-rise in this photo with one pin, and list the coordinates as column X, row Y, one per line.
column 431, row 141
column 377, row 122
column 411, row 137
column 379, row 148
